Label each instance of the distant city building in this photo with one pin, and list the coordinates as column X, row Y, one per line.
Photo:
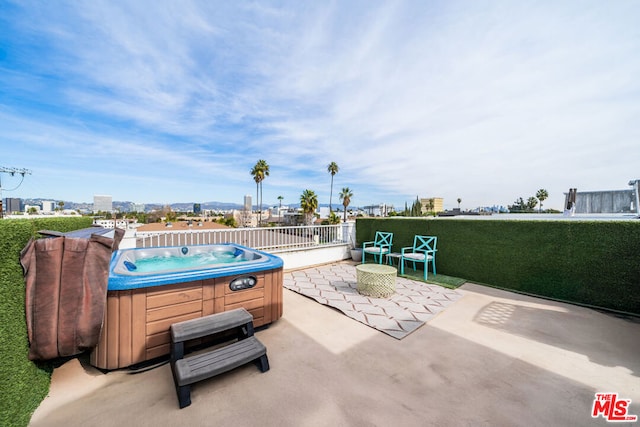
column 276, row 213
column 102, row 203
column 136, row 207
column 12, row 204
column 323, row 211
column 438, row 204
column 385, row 209
column 109, row 223
column 48, row 206
column 293, row 217
column 378, row 210
column 245, row 218
column 611, row 201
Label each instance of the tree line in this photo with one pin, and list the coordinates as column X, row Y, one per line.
column 308, row 198
column 522, row 206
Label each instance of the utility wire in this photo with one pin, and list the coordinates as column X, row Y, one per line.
column 12, row 172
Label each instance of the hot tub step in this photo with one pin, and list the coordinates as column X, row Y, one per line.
column 191, row 369
column 212, row 324
column 206, row 365
column 181, row 332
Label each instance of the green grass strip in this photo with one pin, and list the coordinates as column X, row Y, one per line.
column 438, row 279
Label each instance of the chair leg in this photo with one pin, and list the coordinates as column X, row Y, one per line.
column 401, row 262
column 426, row 267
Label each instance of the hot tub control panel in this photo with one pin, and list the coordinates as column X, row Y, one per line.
column 243, row 282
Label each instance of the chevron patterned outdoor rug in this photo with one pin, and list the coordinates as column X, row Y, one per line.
column 335, row 285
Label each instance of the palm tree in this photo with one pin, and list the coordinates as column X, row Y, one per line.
column 265, row 173
column 280, row 198
column 542, row 195
column 260, row 171
column 309, row 204
column 333, row 218
column 257, row 177
column 332, row 169
column 430, row 204
column 345, row 195
column 459, row 200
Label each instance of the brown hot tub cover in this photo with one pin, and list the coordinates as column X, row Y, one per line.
column 66, row 290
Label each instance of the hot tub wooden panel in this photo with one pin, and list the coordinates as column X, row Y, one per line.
column 162, row 325
column 136, row 323
column 161, row 299
column 173, row 310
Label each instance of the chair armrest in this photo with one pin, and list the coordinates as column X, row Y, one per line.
column 421, row 251
column 364, row 245
column 403, row 250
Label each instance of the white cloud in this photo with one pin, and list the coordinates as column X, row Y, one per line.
column 487, row 102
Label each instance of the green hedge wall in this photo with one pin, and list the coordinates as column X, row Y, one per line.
column 587, row 262
column 23, row 384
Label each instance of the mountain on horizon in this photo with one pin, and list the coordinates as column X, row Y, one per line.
column 182, row 206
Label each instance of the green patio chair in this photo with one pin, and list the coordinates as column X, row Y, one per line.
column 423, row 251
column 379, row 247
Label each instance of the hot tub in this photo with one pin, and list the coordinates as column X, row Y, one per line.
column 151, row 288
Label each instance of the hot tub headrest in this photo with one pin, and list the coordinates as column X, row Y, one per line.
column 130, row 266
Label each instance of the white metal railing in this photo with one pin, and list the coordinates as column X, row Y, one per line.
column 270, row 239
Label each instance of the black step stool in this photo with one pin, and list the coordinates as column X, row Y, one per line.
column 191, row 369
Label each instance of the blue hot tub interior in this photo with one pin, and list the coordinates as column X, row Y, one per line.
column 145, row 267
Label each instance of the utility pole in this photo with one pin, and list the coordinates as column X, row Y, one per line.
column 12, row 172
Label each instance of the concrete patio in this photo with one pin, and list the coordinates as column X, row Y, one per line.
column 492, row 358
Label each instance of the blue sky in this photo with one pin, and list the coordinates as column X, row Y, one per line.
column 158, row 101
